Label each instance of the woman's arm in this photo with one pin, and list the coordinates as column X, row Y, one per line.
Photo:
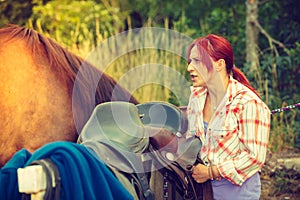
column 254, row 128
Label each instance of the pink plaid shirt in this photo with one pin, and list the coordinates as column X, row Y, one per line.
column 237, row 135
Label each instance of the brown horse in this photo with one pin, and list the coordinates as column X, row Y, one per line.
column 38, row 103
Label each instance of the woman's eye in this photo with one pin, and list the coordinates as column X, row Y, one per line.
column 196, row 60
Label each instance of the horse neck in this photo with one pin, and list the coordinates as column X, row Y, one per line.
column 35, row 106
column 92, row 87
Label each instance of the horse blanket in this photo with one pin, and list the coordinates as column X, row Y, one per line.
column 83, row 176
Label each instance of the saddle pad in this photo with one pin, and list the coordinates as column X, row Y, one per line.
column 119, row 123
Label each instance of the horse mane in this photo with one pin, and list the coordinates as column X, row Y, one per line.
column 87, row 85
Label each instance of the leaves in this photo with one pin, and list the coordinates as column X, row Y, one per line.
column 74, row 23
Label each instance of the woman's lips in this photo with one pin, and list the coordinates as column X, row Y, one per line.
column 193, row 77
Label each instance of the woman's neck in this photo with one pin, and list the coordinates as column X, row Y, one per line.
column 216, row 92
column 208, row 109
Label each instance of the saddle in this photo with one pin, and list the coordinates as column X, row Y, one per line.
column 167, row 116
column 139, row 140
column 163, row 115
column 117, row 123
column 173, row 167
column 116, row 135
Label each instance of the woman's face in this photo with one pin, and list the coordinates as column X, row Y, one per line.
column 198, row 69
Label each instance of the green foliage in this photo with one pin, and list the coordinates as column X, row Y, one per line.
column 281, row 19
column 16, row 12
column 156, row 12
column 283, row 131
column 182, row 25
column 291, row 85
column 222, row 18
column 79, row 25
column 279, row 75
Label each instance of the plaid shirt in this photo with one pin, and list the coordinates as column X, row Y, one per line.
column 237, row 135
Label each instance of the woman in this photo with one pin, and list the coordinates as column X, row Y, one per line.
column 230, row 119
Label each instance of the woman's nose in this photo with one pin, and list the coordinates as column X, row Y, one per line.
column 190, row 68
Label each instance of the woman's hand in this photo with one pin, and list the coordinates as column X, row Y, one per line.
column 201, row 173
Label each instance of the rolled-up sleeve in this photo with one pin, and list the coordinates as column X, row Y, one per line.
column 253, row 134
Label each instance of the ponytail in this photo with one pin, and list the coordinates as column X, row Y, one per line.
column 240, row 76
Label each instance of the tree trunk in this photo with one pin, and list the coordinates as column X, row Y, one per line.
column 252, row 36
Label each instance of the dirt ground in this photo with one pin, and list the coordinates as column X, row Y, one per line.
column 278, row 181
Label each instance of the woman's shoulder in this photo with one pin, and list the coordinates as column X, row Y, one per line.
column 245, row 95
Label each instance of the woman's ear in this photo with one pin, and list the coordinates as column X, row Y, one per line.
column 220, row 65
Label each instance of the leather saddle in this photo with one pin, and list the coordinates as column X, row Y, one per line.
column 167, row 116
column 120, row 133
column 174, row 165
column 163, row 115
column 118, row 123
column 116, row 135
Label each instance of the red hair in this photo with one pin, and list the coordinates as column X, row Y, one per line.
column 218, row 47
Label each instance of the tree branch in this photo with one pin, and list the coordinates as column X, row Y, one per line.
column 270, row 38
column 262, row 2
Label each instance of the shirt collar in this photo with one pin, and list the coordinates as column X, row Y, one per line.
column 198, row 91
column 234, row 88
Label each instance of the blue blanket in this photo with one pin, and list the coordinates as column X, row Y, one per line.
column 83, row 176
